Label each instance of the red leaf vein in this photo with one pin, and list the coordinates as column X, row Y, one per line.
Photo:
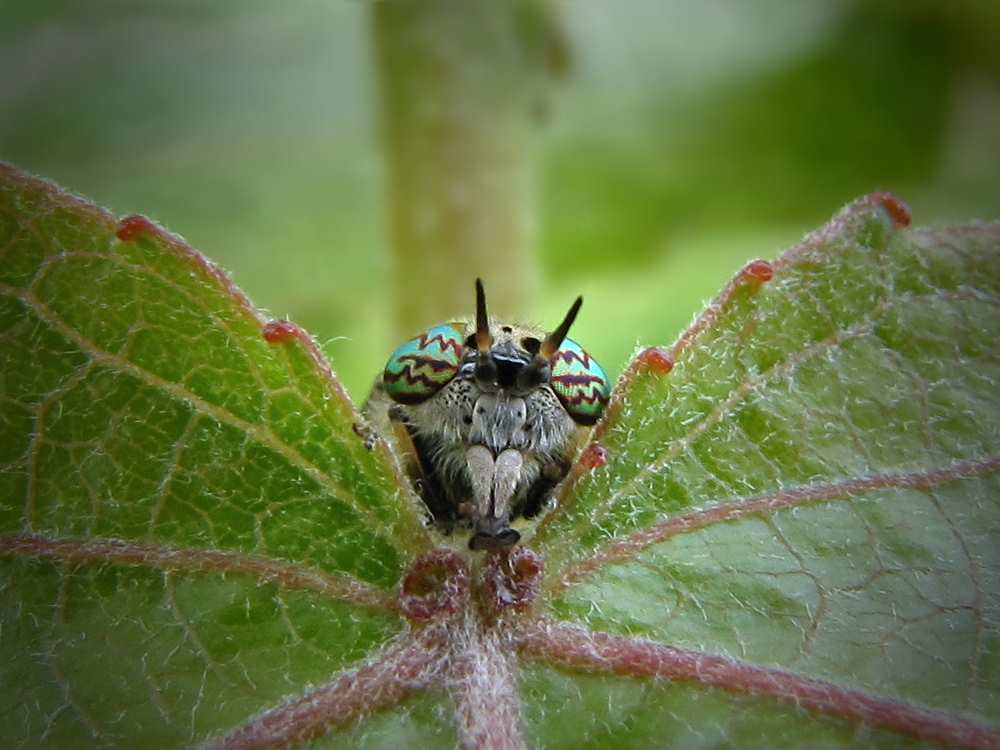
column 284, row 574
column 571, row 646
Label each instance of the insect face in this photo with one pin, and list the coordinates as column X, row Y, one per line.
column 491, row 415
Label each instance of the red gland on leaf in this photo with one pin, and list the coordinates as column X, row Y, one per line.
column 897, row 209
column 594, row 456
column 655, row 359
column 280, row 331
column 133, row 226
column 759, row 271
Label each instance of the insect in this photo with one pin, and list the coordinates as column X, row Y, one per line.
column 488, row 417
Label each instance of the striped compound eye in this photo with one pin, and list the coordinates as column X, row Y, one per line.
column 579, row 382
column 423, row 365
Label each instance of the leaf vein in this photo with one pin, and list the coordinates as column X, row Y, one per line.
column 283, row 574
column 715, row 416
column 409, row 663
column 571, row 646
column 625, row 548
column 259, row 433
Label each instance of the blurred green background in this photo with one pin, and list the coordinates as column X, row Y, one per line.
column 684, row 139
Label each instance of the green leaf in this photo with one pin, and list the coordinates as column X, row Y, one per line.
column 814, row 484
column 143, row 405
column 784, row 534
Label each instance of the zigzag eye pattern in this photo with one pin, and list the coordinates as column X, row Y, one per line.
column 579, row 382
column 423, row 365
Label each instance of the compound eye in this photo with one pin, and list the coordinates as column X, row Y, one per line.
column 423, row 365
column 579, row 382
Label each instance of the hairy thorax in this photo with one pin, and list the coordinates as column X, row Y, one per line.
column 462, row 415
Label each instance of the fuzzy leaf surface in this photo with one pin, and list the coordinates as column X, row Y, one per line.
column 813, row 486
column 190, row 470
column 793, row 540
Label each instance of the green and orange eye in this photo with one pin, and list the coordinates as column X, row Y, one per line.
column 423, row 365
column 579, row 382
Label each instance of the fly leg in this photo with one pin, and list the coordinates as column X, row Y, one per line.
column 494, row 483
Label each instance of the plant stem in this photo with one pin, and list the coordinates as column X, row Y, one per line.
column 462, row 86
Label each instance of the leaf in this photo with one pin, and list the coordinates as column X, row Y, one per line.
column 813, row 485
column 784, row 533
column 147, row 420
